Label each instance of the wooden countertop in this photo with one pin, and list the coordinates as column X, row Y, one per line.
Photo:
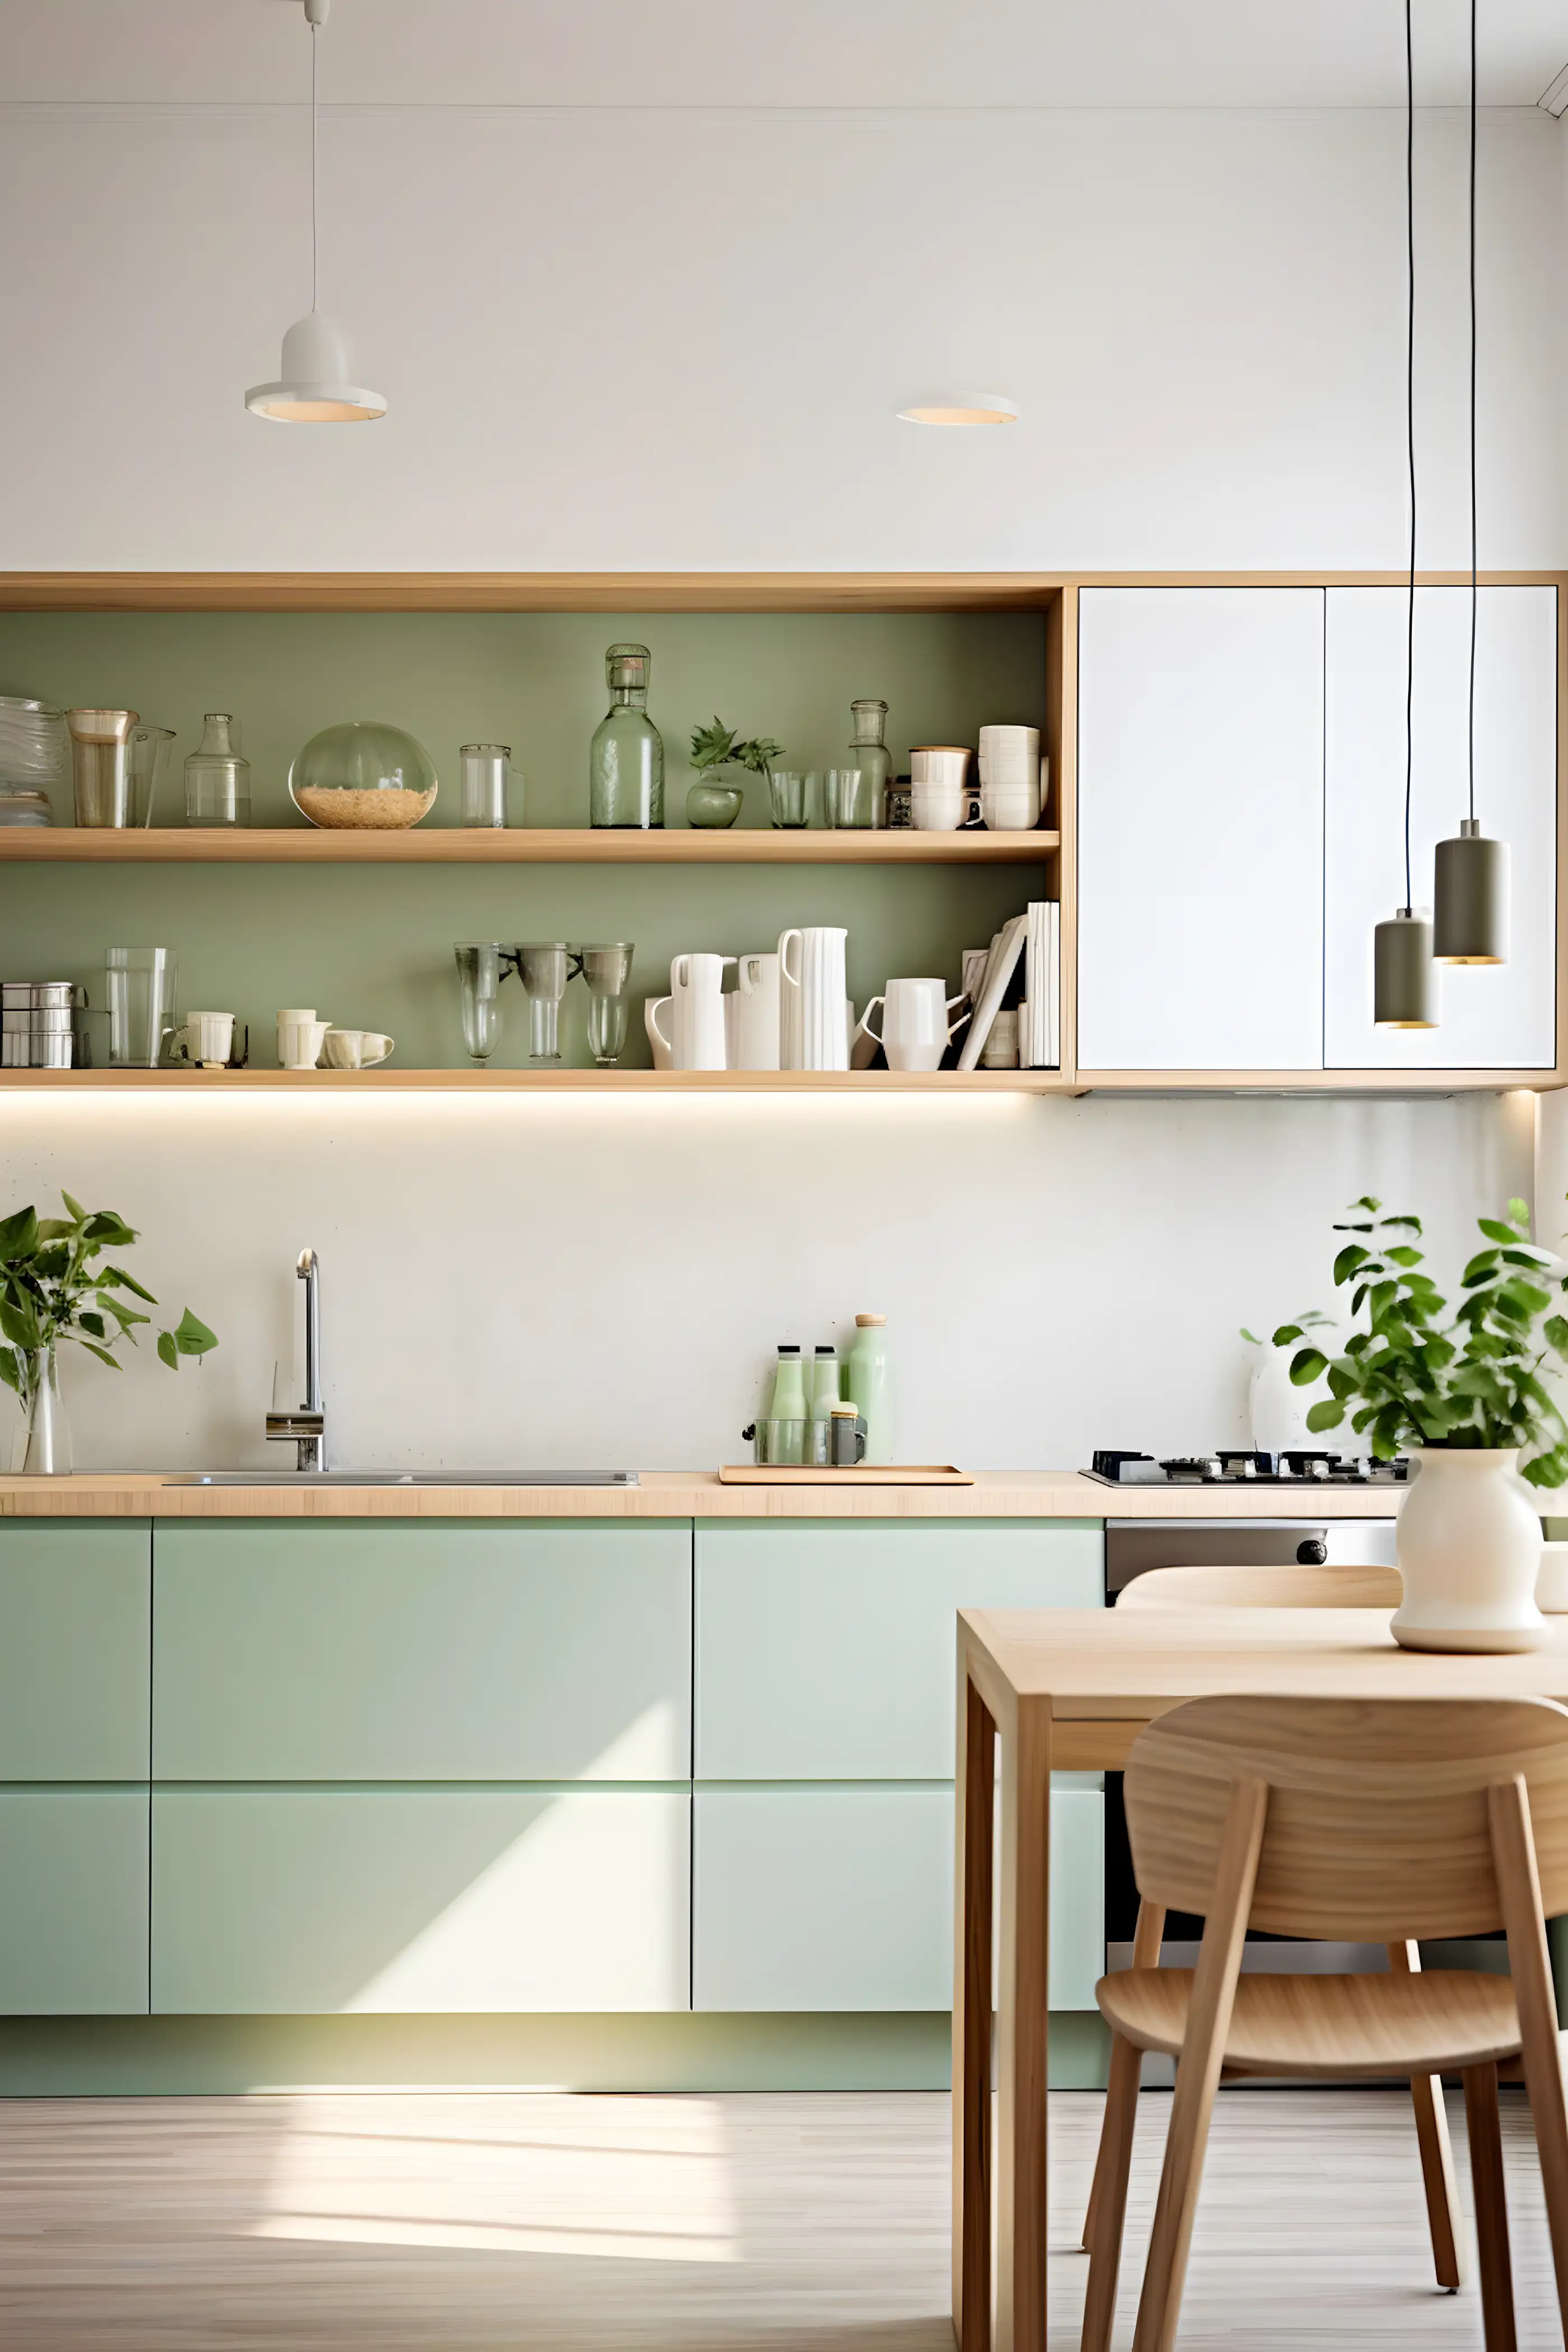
column 687, row 1495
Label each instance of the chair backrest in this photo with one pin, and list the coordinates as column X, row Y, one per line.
column 1377, row 1823
column 1285, row 1587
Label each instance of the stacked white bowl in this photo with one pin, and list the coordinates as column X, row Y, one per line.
column 1011, row 778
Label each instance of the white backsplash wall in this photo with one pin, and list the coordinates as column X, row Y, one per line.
column 581, row 1282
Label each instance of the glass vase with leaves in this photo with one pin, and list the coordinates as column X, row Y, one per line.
column 55, row 1290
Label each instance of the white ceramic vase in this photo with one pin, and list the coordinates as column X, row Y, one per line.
column 1469, row 1551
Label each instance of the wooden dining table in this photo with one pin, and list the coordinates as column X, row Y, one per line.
column 1045, row 1690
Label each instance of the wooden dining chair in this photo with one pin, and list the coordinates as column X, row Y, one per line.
column 1367, row 1822
column 1292, row 1585
column 1289, row 1586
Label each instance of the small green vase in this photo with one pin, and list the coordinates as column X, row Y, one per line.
column 711, row 803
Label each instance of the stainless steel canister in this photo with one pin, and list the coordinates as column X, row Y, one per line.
column 37, row 1021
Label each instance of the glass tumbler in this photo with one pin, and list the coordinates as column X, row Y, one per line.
column 544, row 967
column 786, row 791
column 481, row 967
column 608, row 969
column 846, row 798
column 142, row 984
column 483, row 775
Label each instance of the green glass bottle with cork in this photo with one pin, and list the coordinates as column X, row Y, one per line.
column 625, row 759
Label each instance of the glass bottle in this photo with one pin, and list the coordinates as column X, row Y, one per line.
column 871, row 1385
column 217, row 781
column 870, row 754
column 625, row 761
column 824, row 1382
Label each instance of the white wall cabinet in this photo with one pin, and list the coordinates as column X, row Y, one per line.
column 1241, row 789
column 1502, row 1017
column 1200, row 813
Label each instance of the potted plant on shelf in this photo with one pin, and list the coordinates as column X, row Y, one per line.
column 52, row 1289
column 722, row 766
column 1463, row 1394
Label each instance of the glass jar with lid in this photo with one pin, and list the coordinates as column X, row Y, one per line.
column 626, row 759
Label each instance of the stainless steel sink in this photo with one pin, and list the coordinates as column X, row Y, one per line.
column 309, row 1478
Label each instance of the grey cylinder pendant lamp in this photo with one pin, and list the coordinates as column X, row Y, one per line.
column 1403, row 983
column 1470, row 896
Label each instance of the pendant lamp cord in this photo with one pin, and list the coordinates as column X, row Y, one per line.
column 1410, row 417
column 1473, row 501
column 315, row 42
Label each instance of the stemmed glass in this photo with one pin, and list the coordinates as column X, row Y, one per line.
column 608, row 969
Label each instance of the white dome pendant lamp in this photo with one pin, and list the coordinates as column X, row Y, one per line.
column 1404, row 984
column 313, row 388
column 1471, row 895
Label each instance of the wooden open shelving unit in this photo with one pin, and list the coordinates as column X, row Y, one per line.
column 541, row 845
column 189, row 1082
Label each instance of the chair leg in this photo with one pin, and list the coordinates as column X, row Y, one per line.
column 1199, row 2069
column 1107, row 2201
column 1519, row 1889
column 1437, row 2156
column 1148, row 1934
column 1484, row 2126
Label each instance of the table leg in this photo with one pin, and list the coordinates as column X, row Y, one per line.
column 976, row 1796
column 1025, row 1861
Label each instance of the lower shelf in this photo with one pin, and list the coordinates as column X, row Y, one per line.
column 188, row 1083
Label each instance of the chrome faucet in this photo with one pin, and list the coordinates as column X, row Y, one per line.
column 307, row 1424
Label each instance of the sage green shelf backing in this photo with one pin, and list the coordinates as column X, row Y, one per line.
column 372, row 948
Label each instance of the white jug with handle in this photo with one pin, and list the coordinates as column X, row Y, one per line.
column 814, row 1012
column 697, row 1011
column 751, row 1014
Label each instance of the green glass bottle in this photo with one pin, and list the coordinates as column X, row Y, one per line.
column 868, row 751
column 625, row 761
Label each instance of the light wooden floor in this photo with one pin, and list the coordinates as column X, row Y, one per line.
column 410, row 2222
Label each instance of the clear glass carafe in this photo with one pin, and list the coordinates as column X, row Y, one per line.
column 870, row 754
column 625, row 759
column 217, row 781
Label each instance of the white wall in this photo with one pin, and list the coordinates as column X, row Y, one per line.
column 668, row 340
column 600, row 1283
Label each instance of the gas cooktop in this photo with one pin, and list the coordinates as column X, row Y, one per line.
column 1232, row 1466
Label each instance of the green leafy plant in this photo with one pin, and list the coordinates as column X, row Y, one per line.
column 715, row 747
column 52, row 1288
column 1409, row 1377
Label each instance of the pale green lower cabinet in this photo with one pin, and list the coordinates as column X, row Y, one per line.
column 842, row 1898
column 73, row 1914
column 410, row 1899
column 75, row 1600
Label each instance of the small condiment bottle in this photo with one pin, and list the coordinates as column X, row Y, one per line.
column 789, row 1387
column 826, row 1392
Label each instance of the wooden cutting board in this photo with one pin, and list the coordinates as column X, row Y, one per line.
column 891, row 1473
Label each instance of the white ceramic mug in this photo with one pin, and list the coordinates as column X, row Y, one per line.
column 299, row 1039
column 939, row 763
column 813, row 1030
column 356, row 1049
column 751, row 1014
column 1010, row 808
column 915, row 1029
column 206, row 1038
column 697, row 1011
column 939, row 807
column 663, row 1051
column 1010, row 752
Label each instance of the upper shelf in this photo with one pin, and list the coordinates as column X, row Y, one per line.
column 550, row 845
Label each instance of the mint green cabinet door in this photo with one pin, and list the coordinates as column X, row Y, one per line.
column 825, row 1650
column 369, row 1650
column 73, row 1903
column 75, row 1596
column 318, row 1901
column 842, row 1899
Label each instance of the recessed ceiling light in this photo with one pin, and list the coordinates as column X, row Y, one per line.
column 967, row 408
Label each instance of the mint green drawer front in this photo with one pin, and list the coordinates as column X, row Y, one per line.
column 321, row 1901
column 824, row 1651
column 842, row 1899
column 74, row 1602
column 73, row 1903
column 439, row 1651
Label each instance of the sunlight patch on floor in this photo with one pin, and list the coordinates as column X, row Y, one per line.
column 640, row 2179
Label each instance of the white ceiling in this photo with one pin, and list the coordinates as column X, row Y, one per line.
column 785, row 53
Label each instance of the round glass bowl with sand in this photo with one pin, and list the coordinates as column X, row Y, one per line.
column 364, row 774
